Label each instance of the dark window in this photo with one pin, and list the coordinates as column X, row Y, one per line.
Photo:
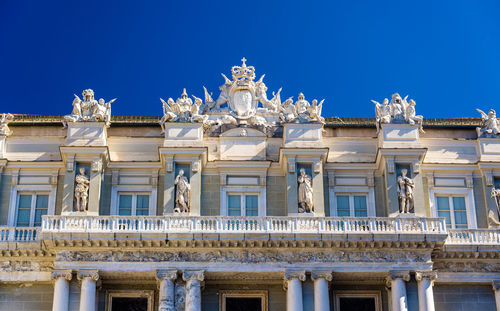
column 356, row 304
column 243, row 304
column 129, row 304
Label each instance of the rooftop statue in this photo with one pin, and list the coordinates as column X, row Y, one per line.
column 4, row 124
column 490, row 125
column 89, row 110
column 182, row 110
column 398, row 110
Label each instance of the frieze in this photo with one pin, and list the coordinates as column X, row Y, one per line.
column 245, row 256
column 467, row 266
column 26, row 266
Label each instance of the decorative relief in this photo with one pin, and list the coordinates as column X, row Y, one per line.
column 4, row 124
column 305, row 193
column 290, row 275
column 490, row 125
column 182, row 110
column 327, row 275
column 395, row 275
column 182, row 194
column 26, row 266
column 92, row 274
column 406, row 188
column 429, row 275
column 467, row 266
column 166, row 275
column 193, row 275
column 67, row 274
column 89, row 110
column 81, row 191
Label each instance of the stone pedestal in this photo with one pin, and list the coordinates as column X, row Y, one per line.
column 399, row 136
column 193, row 281
column 182, row 134
column 396, row 280
column 425, row 281
column 293, row 287
column 166, row 293
column 61, row 280
column 489, row 149
column 88, row 289
column 86, row 134
column 302, row 135
column 321, row 296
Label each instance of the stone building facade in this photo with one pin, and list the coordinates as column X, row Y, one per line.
column 251, row 202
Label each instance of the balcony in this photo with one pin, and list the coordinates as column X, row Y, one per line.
column 19, row 234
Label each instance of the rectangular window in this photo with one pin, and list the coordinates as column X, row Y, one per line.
column 243, row 300
column 366, row 300
column 243, row 204
column 351, row 205
column 30, row 209
column 133, row 204
column 453, row 209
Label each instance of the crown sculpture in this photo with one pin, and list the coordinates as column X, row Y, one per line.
column 398, row 110
column 242, row 102
column 89, row 109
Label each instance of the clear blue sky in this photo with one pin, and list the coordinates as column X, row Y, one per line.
column 444, row 54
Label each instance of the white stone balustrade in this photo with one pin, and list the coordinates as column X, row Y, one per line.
column 473, row 236
column 19, row 234
column 221, row 224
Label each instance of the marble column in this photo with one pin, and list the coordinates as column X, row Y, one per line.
column 293, row 287
column 321, row 295
column 425, row 281
column 496, row 289
column 193, row 281
column 61, row 280
column 396, row 280
column 166, row 294
column 88, row 289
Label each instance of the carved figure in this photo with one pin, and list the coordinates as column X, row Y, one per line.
column 89, row 110
column 182, row 110
column 490, row 125
column 398, row 110
column 305, row 193
column 315, row 111
column 4, row 124
column 406, row 188
column 81, row 190
column 182, row 194
column 495, row 194
column 382, row 113
column 287, row 111
column 412, row 117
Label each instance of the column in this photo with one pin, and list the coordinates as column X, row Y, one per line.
column 396, row 280
column 321, row 295
column 293, row 286
column 88, row 289
column 166, row 294
column 193, row 281
column 425, row 280
column 496, row 289
column 61, row 280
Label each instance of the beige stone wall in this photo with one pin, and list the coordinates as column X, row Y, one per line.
column 106, row 187
column 5, row 187
column 463, row 298
column 210, row 195
column 29, row 298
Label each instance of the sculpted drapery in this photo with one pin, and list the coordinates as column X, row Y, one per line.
column 305, row 193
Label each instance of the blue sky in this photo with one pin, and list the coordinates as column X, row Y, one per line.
column 443, row 54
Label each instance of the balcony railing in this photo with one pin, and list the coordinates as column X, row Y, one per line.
column 220, row 224
column 473, row 237
column 19, row 234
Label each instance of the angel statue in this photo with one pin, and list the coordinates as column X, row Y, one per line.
column 382, row 113
column 102, row 111
column 315, row 111
column 287, row 111
column 489, row 124
column 169, row 113
column 195, row 111
column 4, row 124
column 412, row 117
column 89, row 109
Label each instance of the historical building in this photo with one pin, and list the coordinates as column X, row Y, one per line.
column 248, row 202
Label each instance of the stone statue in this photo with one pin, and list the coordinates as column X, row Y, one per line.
column 182, row 110
column 490, row 125
column 398, row 110
column 182, row 194
column 89, row 110
column 81, row 190
column 4, row 124
column 494, row 223
column 287, row 113
column 406, row 188
column 305, row 193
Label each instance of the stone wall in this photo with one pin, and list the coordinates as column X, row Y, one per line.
column 26, row 298
column 105, row 203
column 210, row 195
column 480, row 203
column 5, row 183
column 464, row 298
column 276, row 196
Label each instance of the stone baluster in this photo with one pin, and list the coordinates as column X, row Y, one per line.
column 321, row 295
column 396, row 280
column 293, row 287
column 193, row 281
column 88, row 289
column 166, row 294
column 496, row 289
column 61, row 280
column 425, row 281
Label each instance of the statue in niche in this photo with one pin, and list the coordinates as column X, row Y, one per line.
column 406, row 188
column 493, row 223
column 398, row 110
column 305, row 193
column 182, row 194
column 4, row 124
column 81, row 191
column 490, row 125
column 89, row 109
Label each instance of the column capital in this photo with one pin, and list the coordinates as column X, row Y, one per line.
column 166, row 275
column 496, row 285
column 397, row 275
column 429, row 275
column 290, row 275
column 92, row 274
column 327, row 275
column 56, row 274
column 193, row 275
